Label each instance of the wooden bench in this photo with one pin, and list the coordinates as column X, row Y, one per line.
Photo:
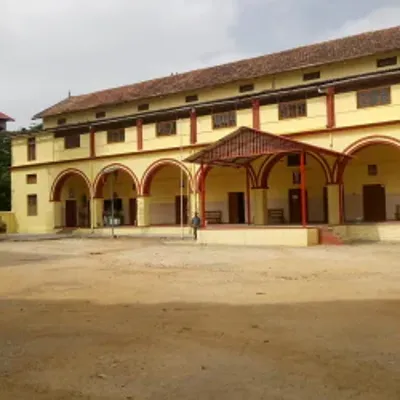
column 214, row 217
column 276, row 216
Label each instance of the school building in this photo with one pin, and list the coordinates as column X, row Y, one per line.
column 297, row 147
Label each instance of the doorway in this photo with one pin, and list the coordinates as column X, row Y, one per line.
column 132, row 211
column 374, row 203
column 295, row 206
column 236, row 204
column 71, row 219
column 178, row 213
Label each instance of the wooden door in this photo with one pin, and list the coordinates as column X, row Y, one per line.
column 236, row 205
column 295, row 206
column 325, row 205
column 71, row 214
column 132, row 211
column 178, row 213
column 374, row 203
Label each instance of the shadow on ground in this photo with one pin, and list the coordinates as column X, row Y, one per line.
column 79, row 350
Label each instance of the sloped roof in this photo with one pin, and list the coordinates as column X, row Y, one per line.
column 246, row 144
column 337, row 50
column 5, row 117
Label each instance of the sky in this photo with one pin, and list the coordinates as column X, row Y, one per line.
column 50, row 47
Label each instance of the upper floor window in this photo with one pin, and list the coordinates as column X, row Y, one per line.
column 61, row 121
column 166, row 128
column 224, row 120
column 386, row 62
column 31, row 149
column 143, row 107
column 100, row 114
column 310, row 76
column 373, row 97
column 246, row 88
column 32, row 205
column 293, row 109
column 72, row 141
column 31, row 179
column 116, row 135
column 191, row 98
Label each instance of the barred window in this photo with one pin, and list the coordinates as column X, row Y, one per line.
column 166, row 128
column 143, row 107
column 224, row 120
column 72, row 141
column 191, row 98
column 246, row 88
column 116, row 135
column 100, row 114
column 386, row 62
column 310, row 76
column 373, row 97
column 32, row 205
column 61, row 121
column 31, row 149
column 293, row 109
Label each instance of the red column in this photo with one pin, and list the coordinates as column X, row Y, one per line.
column 92, row 141
column 203, row 195
column 139, row 133
column 303, row 189
column 193, row 126
column 330, row 107
column 256, row 114
column 248, row 204
column 341, row 203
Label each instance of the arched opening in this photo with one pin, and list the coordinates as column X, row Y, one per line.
column 227, row 194
column 116, row 190
column 71, row 193
column 168, row 184
column 371, row 181
column 281, row 175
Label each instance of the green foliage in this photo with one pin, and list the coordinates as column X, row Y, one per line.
column 5, row 177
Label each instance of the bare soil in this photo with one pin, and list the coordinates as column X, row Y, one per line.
column 146, row 319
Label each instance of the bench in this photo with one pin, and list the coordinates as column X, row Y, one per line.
column 214, row 217
column 276, row 216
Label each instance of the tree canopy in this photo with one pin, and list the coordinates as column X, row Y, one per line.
column 5, row 177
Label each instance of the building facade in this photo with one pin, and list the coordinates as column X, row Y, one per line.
column 308, row 136
column 3, row 121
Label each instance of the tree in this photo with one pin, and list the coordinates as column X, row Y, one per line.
column 5, row 177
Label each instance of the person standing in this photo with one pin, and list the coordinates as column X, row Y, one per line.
column 196, row 223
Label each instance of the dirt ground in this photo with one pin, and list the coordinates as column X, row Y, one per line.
column 146, row 319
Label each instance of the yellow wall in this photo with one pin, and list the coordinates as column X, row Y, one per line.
column 9, row 219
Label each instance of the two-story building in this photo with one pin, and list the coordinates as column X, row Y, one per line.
column 290, row 142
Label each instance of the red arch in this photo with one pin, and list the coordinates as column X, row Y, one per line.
column 270, row 162
column 99, row 182
column 153, row 168
column 55, row 192
column 208, row 168
column 358, row 145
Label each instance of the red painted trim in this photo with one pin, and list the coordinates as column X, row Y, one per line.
column 193, row 127
column 139, row 133
column 153, row 168
column 58, row 183
column 203, row 195
column 358, row 145
column 99, row 182
column 92, row 139
column 269, row 163
column 248, row 197
column 330, row 108
column 256, row 114
column 303, row 189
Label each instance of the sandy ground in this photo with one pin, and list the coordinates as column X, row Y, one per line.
column 144, row 319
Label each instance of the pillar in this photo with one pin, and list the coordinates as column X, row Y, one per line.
column 92, row 140
column 143, row 211
column 256, row 114
column 193, row 127
column 260, row 206
column 57, row 214
column 330, row 108
column 203, row 196
column 97, row 213
column 194, row 204
column 334, row 206
column 139, row 133
column 303, row 189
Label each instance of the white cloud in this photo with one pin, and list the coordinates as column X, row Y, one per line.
column 53, row 46
column 378, row 19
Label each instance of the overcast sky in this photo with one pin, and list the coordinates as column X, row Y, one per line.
column 48, row 47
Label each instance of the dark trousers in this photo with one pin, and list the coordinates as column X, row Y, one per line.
column 195, row 228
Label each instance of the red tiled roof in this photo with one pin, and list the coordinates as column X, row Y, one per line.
column 337, row 50
column 4, row 117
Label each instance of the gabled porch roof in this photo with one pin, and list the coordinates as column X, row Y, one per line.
column 245, row 144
